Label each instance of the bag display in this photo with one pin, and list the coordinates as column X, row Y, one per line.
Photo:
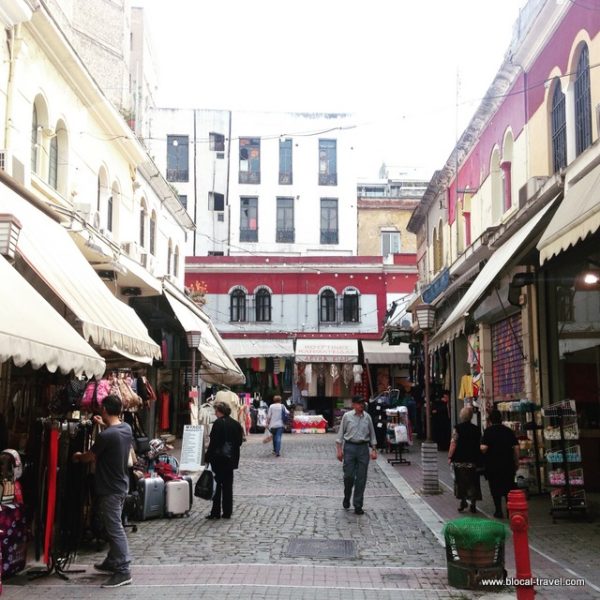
column 131, row 401
column 206, row 484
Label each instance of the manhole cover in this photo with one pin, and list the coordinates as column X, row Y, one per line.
column 322, row 548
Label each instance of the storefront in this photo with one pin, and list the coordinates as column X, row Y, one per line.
column 570, row 318
column 327, row 375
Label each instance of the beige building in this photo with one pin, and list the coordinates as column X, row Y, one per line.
column 384, row 209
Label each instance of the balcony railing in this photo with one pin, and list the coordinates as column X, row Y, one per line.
column 248, row 235
column 329, row 236
column 178, row 175
column 327, row 179
column 284, row 236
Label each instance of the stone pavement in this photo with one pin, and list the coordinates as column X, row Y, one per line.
column 277, row 500
column 565, row 549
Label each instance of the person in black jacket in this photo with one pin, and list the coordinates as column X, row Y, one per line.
column 223, row 454
column 465, row 456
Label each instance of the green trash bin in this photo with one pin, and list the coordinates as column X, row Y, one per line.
column 474, row 551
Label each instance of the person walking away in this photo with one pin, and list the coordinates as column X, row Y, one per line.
column 465, row 455
column 110, row 452
column 440, row 421
column 500, row 449
column 355, row 436
column 276, row 416
column 223, row 454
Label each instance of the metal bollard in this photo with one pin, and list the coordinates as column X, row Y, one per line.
column 519, row 523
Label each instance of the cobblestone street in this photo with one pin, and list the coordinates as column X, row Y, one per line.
column 297, row 496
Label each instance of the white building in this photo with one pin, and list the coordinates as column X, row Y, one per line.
column 254, row 195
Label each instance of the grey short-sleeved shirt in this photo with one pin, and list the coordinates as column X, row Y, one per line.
column 112, row 453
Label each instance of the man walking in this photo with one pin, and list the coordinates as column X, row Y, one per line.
column 355, row 437
column 110, row 452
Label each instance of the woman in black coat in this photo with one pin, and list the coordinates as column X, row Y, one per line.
column 223, row 454
column 465, row 456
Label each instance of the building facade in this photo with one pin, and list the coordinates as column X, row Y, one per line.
column 513, row 210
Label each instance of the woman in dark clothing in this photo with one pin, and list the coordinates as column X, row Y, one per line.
column 223, row 454
column 500, row 448
column 440, row 422
column 465, row 455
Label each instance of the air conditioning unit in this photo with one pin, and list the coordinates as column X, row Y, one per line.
column 148, row 262
column 5, row 161
column 133, row 250
column 530, row 189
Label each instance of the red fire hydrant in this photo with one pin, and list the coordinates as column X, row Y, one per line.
column 519, row 523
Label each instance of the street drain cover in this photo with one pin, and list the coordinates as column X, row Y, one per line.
column 321, row 548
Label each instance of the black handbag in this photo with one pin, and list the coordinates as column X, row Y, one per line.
column 142, row 441
column 225, row 451
column 205, row 485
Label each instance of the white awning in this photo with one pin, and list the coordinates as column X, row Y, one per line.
column 330, row 351
column 217, row 364
column 53, row 255
column 32, row 331
column 455, row 323
column 378, row 353
column 245, row 348
column 577, row 216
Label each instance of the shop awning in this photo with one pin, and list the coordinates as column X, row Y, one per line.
column 49, row 250
column 455, row 323
column 32, row 331
column 260, row 348
column 379, row 353
column 330, row 351
column 577, row 217
column 217, row 365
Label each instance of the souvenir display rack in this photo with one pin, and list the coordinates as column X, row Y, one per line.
column 397, row 419
column 563, row 454
column 523, row 417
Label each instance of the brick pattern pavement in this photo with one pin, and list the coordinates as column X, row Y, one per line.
column 275, row 500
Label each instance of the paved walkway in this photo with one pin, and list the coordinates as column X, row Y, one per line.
column 565, row 549
column 396, row 553
column 277, row 501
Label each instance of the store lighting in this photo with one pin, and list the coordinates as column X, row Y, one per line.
column 425, row 316
column 193, row 338
column 10, row 228
column 591, row 278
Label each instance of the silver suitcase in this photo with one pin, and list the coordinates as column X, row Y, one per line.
column 152, row 498
column 177, row 498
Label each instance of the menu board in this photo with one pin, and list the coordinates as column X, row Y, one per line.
column 192, row 448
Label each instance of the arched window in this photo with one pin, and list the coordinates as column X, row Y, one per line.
column 53, row 163
column 583, row 103
column 440, row 245
column 559, row 129
column 435, row 251
column 351, row 306
column 34, row 139
column 153, row 233
column 109, row 213
column 263, row 306
column 143, row 217
column 497, row 183
column 176, row 262
column 327, row 306
column 169, row 257
column 237, row 305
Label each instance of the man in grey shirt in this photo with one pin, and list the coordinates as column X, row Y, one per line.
column 355, row 437
column 110, row 452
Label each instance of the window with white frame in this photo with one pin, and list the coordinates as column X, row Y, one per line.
column 249, row 160
column 583, row 103
column 178, row 158
column 351, row 306
column 327, row 307
column 285, row 161
column 327, row 162
column 559, row 128
column 237, row 305
column 390, row 241
column 216, row 141
column 329, row 221
column 248, row 219
column 262, row 299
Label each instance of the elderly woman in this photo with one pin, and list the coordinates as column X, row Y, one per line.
column 223, row 454
column 465, row 455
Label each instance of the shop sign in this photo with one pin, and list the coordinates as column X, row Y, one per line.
column 192, row 448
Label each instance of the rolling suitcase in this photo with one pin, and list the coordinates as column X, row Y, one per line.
column 152, row 498
column 177, row 498
column 191, row 484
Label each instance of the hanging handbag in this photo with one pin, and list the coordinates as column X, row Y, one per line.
column 205, row 485
column 142, row 441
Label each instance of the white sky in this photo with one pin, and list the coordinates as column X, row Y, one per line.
column 394, row 63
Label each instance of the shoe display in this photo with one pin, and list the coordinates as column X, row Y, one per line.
column 103, row 568
column 117, row 580
column 359, row 511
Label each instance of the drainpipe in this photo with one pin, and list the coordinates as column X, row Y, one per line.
column 13, row 43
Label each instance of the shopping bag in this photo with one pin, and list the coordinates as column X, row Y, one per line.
column 267, row 437
column 205, row 485
column 401, row 434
